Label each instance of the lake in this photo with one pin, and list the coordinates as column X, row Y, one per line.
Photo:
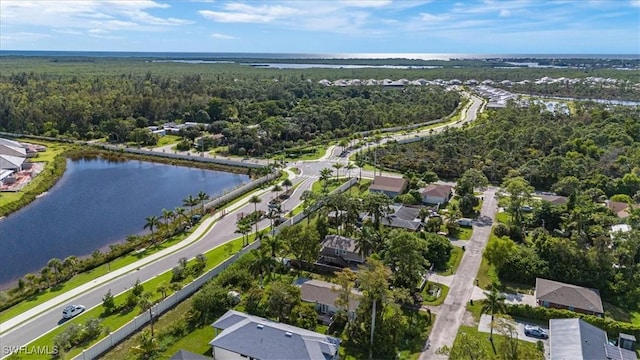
column 97, row 203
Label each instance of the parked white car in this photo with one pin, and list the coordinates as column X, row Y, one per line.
column 72, row 310
column 535, row 331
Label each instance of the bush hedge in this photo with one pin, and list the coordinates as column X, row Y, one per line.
column 612, row 327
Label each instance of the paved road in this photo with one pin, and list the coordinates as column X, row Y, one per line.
column 37, row 323
column 452, row 311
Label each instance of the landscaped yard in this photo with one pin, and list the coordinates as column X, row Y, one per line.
column 168, row 140
column 498, row 340
column 464, row 233
column 454, row 261
column 434, row 294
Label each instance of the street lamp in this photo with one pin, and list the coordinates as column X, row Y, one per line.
column 151, row 313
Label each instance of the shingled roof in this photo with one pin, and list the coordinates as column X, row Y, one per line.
column 569, row 295
column 387, row 183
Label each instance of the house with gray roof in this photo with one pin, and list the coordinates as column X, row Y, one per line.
column 242, row 336
column 403, row 217
column 576, row 339
column 554, row 294
column 187, row 355
column 340, row 250
column 323, row 295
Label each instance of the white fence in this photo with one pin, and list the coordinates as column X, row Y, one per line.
column 141, row 320
column 221, row 200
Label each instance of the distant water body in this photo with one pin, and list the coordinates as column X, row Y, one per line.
column 205, row 55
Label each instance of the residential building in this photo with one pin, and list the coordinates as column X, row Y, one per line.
column 554, row 199
column 402, row 217
column 390, row 186
column 340, row 250
column 321, row 294
column 241, row 336
column 436, row 194
column 187, row 355
column 554, row 294
column 576, row 339
column 621, row 209
column 12, row 155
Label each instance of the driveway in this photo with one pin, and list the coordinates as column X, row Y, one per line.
column 484, row 326
column 512, row 299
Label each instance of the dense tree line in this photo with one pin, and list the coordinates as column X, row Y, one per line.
column 255, row 115
column 596, row 149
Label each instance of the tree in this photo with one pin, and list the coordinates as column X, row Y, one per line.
column 360, row 163
column 151, row 223
column 469, row 181
column 350, row 166
column 276, row 189
column 345, row 280
column 306, row 245
column 404, row 254
column 433, row 224
column 147, row 346
column 56, row 266
column 493, row 304
column 243, row 227
column 202, row 198
column 287, row 184
column 465, row 347
column 70, row 264
column 166, row 216
column 281, row 299
column 377, row 206
column 498, row 250
column 325, row 175
column 181, row 212
column 108, row 302
column 519, row 193
column 309, row 199
column 163, row 288
column 338, row 166
column 137, row 289
column 190, row 201
column 255, row 200
column 438, row 250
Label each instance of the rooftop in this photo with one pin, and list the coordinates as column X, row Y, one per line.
column 569, row 295
column 260, row 338
column 575, row 339
column 322, row 292
column 387, row 183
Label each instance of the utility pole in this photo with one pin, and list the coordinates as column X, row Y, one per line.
column 151, row 320
column 373, row 327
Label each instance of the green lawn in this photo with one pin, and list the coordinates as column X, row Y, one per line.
column 464, row 233
column 167, row 140
column 483, row 339
column 431, row 300
column 486, row 274
column 454, row 261
column 503, row 217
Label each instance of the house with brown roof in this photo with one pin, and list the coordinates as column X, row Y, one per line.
column 340, row 250
column 323, row 295
column 436, row 194
column 557, row 295
column 621, row 209
column 390, row 186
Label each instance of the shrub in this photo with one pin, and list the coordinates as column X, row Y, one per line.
column 501, row 230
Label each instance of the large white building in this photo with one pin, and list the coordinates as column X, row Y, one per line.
column 12, row 155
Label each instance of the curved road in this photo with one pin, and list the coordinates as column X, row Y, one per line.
column 24, row 329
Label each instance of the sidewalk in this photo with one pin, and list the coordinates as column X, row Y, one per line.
column 62, row 298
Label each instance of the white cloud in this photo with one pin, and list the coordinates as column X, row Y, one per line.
column 68, row 31
column 505, row 13
column 222, row 36
column 433, row 18
column 85, row 14
column 22, row 36
column 635, row 3
column 366, row 3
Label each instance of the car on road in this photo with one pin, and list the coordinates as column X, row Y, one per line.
column 535, row 331
column 72, row 311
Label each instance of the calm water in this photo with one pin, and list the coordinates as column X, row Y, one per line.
column 97, row 203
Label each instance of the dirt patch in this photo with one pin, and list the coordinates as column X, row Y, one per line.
column 467, row 319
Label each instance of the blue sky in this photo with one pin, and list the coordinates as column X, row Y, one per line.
column 324, row 27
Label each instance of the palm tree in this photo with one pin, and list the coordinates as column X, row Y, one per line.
column 181, row 212
column 424, row 213
column 190, row 201
column 56, row 266
column 364, row 241
column 287, row 184
column 276, row 189
column 166, row 215
column 70, row 264
column 309, row 199
column 243, row 228
column 325, row 174
column 162, row 289
column 255, row 200
column 360, row 162
column 31, row 281
column 349, row 167
column 493, row 304
column 338, row 166
column 202, row 198
column 152, row 222
column 45, row 272
column 147, row 345
column 377, row 206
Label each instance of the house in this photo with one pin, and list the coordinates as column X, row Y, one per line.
column 390, row 186
column 340, row 250
column 321, row 294
column 246, row 337
column 402, row 217
column 621, row 209
column 576, row 339
column 554, row 199
column 436, row 194
column 12, row 155
column 554, row 294
column 619, row 229
column 187, row 355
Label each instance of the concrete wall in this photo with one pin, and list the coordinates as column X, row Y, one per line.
column 222, row 354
